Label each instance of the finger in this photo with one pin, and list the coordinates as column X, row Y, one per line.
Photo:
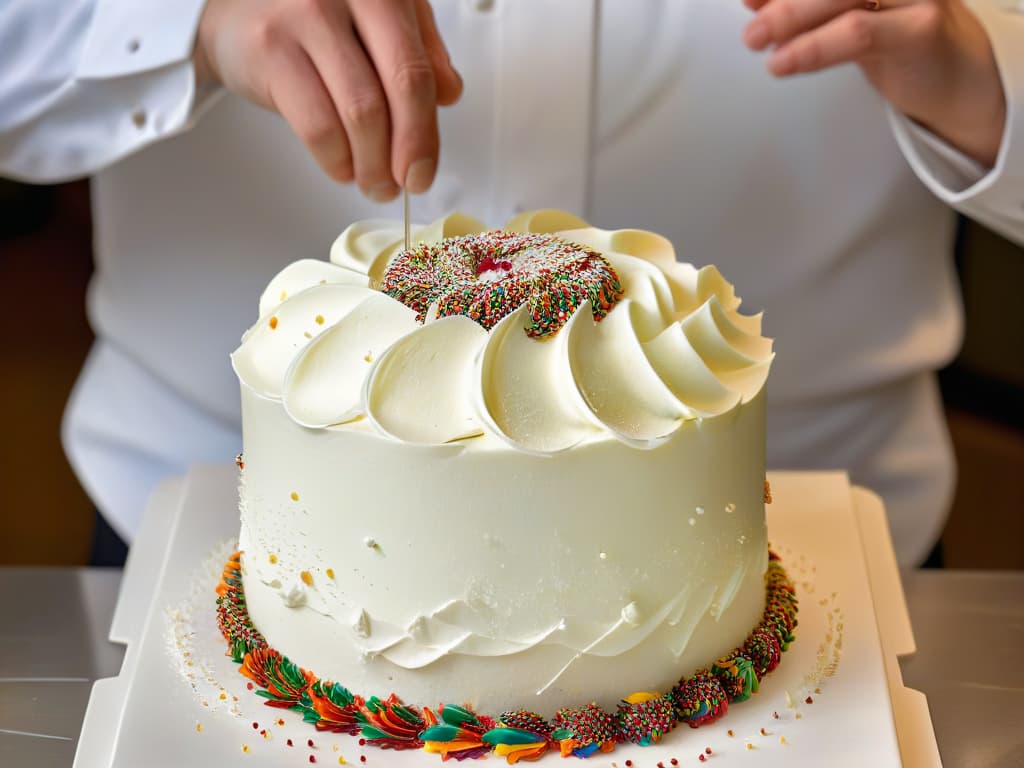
column 298, row 94
column 390, row 32
column 781, row 20
column 449, row 81
column 358, row 98
column 848, row 38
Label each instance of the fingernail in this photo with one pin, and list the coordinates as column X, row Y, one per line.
column 383, row 192
column 782, row 63
column 420, row 175
column 756, row 35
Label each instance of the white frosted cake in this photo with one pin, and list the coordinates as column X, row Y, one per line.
column 519, row 470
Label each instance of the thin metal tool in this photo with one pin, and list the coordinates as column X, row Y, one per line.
column 405, row 207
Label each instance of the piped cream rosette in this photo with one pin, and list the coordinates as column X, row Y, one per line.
column 336, row 351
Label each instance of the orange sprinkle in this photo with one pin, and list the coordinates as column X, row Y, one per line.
column 330, row 573
column 798, row 715
column 319, row 319
column 273, row 322
column 749, row 745
column 764, row 732
column 272, row 558
column 280, row 721
column 731, row 734
column 223, row 697
column 295, row 496
column 307, row 578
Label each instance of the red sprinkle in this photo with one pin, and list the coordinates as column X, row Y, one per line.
column 309, row 742
column 707, row 750
column 312, row 759
column 362, row 742
column 249, row 686
column 701, row 757
column 362, row 758
column 289, row 742
column 629, row 763
column 255, row 726
column 674, row 761
column 775, row 715
column 808, row 700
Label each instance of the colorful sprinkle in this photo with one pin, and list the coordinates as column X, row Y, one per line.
column 489, row 275
column 273, row 322
column 295, row 496
column 458, row 732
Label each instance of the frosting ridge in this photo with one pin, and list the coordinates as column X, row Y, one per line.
column 334, row 348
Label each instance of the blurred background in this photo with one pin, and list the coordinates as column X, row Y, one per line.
column 46, row 261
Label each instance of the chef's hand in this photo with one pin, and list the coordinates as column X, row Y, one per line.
column 359, row 81
column 931, row 59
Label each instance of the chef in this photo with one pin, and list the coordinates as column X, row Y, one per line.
column 813, row 149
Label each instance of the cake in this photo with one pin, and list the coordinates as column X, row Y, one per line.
column 504, row 490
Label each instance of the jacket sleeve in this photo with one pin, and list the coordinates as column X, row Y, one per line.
column 993, row 196
column 85, row 82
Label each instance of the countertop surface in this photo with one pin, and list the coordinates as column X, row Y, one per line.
column 969, row 627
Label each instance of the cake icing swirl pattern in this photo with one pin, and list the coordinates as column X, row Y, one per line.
column 540, row 374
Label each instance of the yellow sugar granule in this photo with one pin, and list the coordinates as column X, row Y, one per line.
column 307, row 578
column 273, row 559
column 295, row 496
column 273, row 322
column 330, row 573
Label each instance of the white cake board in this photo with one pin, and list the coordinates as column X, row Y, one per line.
column 169, row 709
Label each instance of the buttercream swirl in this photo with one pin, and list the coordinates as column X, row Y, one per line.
column 336, row 350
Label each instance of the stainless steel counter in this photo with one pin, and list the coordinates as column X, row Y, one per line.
column 969, row 628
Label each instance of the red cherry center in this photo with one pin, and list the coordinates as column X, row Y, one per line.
column 487, row 264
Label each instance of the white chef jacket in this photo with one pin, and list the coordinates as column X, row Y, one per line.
column 648, row 115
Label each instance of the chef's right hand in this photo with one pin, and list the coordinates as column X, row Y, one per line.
column 359, row 81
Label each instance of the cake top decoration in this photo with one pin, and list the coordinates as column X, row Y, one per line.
column 489, row 275
column 546, row 334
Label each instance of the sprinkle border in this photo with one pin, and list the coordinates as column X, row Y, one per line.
column 457, row 732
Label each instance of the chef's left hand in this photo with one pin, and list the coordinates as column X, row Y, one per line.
column 931, row 59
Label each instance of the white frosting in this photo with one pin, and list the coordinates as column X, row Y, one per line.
column 676, row 348
column 530, row 503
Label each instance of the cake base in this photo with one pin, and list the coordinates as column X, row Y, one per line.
column 167, row 709
column 455, row 730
